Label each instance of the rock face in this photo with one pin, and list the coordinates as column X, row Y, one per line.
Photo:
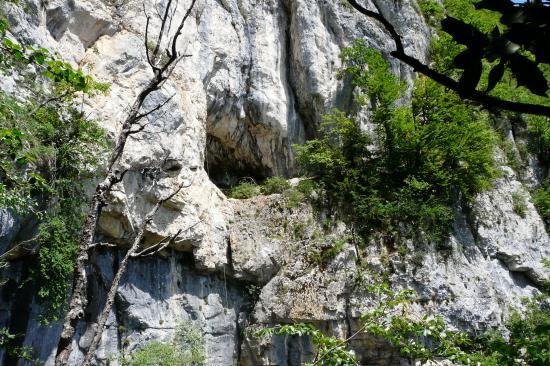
column 260, row 75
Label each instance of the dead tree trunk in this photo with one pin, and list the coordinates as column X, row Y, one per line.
column 162, row 69
column 120, row 272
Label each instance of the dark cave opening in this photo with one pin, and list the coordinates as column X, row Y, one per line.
column 226, row 169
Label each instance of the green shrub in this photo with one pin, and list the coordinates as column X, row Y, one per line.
column 539, row 128
column 190, row 340
column 47, row 151
column 186, row 349
column 56, row 254
column 293, row 197
column 519, row 205
column 528, row 341
column 329, row 351
column 9, row 343
column 541, row 199
column 432, row 10
column 322, row 256
column 306, row 187
column 156, row 354
column 426, row 157
column 244, row 190
column 44, row 159
column 429, row 338
column 274, row 185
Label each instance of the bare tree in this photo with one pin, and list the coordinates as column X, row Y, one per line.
column 162, row 65
column 466, row 93
column 131, row 253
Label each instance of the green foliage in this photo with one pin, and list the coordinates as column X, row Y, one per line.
column 58, row 245
column 24, row 353
column 15, row 57
column 189, row 339
column 370, row 73
column 293, row 197
column 541, row 199
column 306, row 187
column 432, row 10
column 47, row 150
column 186, row 349
column 244, row 190
column 539, row 128
column 248, row 189
column 274, row 185
column 302, row 192
column 498, row 43
column 445, row 51
column 519, row 205
column 528, row 342
column 419, row 339
column 155, row 354
column 324, row 255
column 331, row 351
column 424, row 158
column 43, row 162
column 428, row 338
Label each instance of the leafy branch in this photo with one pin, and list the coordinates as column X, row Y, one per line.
column 466, row 86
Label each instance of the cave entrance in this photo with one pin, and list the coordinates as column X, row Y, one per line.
column 226, row 168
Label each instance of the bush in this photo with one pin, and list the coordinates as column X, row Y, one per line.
column 528, row 342
column 541, row 199
column 539, row 128
column 293, row 197
column 186, row 349
column 306, row 187
column 275, row 185
column 244, row 190
column 432, row 10
column 156, row 354
column 424, row 159
column 519, row 205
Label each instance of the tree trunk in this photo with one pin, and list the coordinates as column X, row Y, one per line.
column 78, row 300
column 116, row 281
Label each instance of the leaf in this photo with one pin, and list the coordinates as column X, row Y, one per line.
column 528, row 74
column 471, row 75
column 39, row 57
column 464, row 33
column 462, row 60
column 495, row 75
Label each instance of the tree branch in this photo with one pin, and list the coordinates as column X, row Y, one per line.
column 47, row 101
column 120, row 272
column 161, row 32
column 159, row 106
column 475, row 96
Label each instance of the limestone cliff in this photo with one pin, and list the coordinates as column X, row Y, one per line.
column 259, row 76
